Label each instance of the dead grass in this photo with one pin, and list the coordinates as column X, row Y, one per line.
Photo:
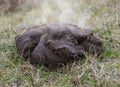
column 102, row 16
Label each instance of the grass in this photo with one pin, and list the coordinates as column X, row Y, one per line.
column 102, row 16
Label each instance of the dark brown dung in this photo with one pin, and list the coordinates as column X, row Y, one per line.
column 55, row 44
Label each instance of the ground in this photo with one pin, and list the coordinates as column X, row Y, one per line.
column 103, row 16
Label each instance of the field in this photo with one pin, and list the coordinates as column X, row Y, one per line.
column 103, row 16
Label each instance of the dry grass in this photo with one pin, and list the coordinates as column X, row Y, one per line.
column 101, row 15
